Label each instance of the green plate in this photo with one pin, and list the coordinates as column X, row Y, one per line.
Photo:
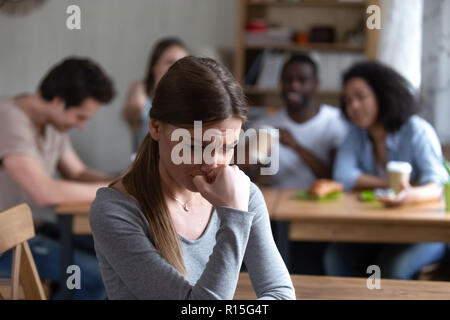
column 367, row 196
column 304, row 195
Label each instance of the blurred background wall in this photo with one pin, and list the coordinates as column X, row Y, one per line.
column 119, row 35
column 436, row 68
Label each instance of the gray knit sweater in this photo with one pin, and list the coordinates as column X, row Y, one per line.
column 132, row 268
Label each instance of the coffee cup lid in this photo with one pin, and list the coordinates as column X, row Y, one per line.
column 399, row 166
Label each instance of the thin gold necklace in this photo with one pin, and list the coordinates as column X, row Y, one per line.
column 183, row 205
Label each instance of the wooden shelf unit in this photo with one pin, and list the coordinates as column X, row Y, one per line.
column 309, row 3
column 272, row 97
column 252, row 90
column 339, row 47
column 271, row 9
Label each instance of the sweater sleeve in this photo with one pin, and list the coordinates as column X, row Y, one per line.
column 119, row 234
column 267, row 270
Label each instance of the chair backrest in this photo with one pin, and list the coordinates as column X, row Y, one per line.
column 16, row 227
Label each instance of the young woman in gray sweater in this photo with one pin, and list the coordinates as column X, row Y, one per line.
column 171, row 229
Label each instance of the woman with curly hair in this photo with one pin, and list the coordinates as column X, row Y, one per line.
column 382, row 107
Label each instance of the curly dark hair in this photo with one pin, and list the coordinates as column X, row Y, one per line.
column 395, row 95
column 76, row 79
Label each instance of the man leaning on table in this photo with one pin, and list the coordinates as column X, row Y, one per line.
column 34, row 144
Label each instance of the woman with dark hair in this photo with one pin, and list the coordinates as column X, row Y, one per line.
column 182, row 231
column 139, row 99
column 382, row 108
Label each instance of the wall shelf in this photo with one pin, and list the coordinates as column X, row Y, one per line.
column 344, row 16
column 332, row 47
column 310, row 3
column 252, row 90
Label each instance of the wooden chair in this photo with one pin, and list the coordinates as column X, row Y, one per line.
column 16, row 227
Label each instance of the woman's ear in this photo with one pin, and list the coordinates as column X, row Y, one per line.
column 155, row 129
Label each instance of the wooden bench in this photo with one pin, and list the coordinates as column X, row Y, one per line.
column 340, row 288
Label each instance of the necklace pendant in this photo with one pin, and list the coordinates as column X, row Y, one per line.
column 186, row 207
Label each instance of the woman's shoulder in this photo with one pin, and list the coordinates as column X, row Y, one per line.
column 418, row 123
column 417, row 127
column 111, row 206
column 355, row 134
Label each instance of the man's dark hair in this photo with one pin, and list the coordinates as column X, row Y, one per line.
column 300, row 57
column 394, row 94
column 76, row 79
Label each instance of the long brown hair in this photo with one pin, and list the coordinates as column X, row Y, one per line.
column 157, row 52
column 193, row 89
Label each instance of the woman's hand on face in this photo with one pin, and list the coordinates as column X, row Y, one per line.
column 225, row 186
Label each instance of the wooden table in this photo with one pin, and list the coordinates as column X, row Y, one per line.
column 346, row 219
column 350, row 220
column 73, row 218
column 340, row 288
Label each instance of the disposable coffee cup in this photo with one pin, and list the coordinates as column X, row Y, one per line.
column 399, row 173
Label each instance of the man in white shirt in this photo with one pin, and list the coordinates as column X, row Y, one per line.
column 310, row 134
